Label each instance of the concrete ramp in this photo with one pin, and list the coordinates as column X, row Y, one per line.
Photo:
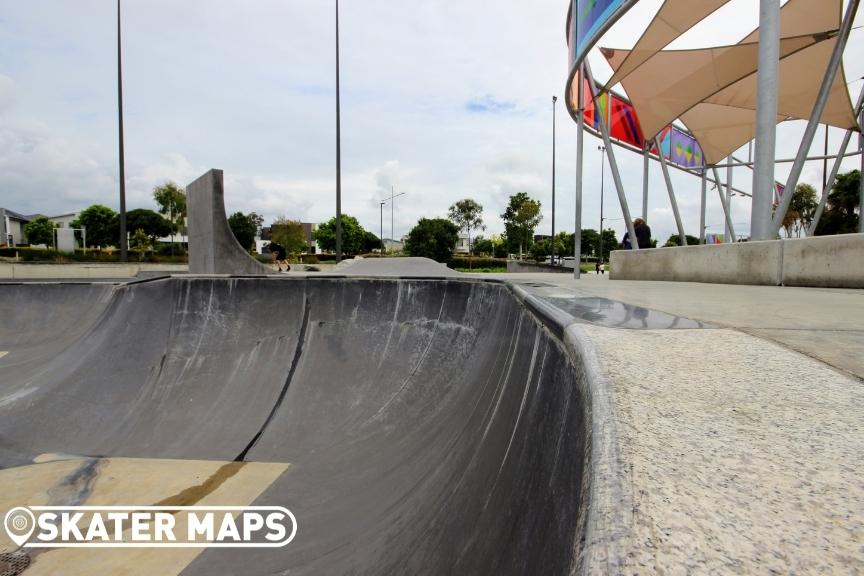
column 424, row 426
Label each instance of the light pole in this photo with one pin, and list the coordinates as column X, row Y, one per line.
column 602, row 173
column 124, row 253
column 554, row 100
column 392, row 211
column 338, row 151
column 381, row 216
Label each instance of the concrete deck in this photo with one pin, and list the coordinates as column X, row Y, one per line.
column 741, row 454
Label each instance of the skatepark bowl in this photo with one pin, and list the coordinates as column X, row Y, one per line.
column 412, row 426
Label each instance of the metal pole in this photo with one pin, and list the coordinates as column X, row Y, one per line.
column 645, row 164
column 381, row 223
column 672, row 199
column 825, row 161
column 727, row 236
column 602, row 172
column 810, row 132
column 613, row 164
column 861, row 176
column 580, row 136
column 726, row 213
column 392, row 212
column 338, row 150
column 124, row 245
column 702, row 207
column 767, row 79
column 829, row 182
column 554, row 101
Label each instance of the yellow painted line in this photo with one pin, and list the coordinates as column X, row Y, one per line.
column 3, row 354
column 129, row 481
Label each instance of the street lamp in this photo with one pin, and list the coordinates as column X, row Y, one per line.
column 554, row 100
column 392, row 211
column 338, row 151
column 381, row 217
column 602, row 172
column 124, row 254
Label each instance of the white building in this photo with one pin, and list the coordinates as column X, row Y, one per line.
column 462, row 245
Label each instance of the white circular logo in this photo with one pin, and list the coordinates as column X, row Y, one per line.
column 19, row 523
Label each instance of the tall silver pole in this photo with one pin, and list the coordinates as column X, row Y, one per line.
column 602, row 173
column 580, row 137
column 825, row 161
column 829, row 181
column 702, row 203
column 767, row 80
column 554, row 100
column 861, row 176
column 613, row 164
column 726, row 213
column 813, row 124
column 338, row 150
column 124, row 248
column 671, row 192
column 381, row 223
column 728, row 236
column 392, row 212
column 645, row 168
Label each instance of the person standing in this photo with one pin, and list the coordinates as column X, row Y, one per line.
column 643, row 233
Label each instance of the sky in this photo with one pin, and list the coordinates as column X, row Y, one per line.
column 441, row 100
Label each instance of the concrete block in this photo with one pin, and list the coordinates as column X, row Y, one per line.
column 740, row 263
column 213, row 249
column 824, row 261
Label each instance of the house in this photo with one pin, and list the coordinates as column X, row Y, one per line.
column 393, row 245
column 462, row 246
column 64, row 220
column 263, row 239
column 12, row 227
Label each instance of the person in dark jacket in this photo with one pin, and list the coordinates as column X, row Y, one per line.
column 643, row 233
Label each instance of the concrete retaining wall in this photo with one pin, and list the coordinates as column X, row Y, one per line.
column 827, row 261
column 24, row 271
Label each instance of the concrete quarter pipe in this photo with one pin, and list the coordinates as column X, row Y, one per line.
column 415, row 426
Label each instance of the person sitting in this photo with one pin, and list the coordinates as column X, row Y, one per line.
column 643, row 233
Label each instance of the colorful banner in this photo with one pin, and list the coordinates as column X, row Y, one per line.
column 589, row 18
column 685, row 150
column 592, row 119
column 624, row 123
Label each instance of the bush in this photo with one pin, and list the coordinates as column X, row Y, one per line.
column 312, row 259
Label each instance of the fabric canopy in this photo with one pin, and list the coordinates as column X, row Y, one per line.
column 673, row 19
column 713, row 90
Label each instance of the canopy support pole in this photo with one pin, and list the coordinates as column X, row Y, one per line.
column 815, row 116
column 861, row 174
column 702, row 206
column 580, row 137
column 767, row 80
column 726, row 213
column 728, row 237
column 829, row 181
column 645, row 165
column 616, row 176
column 672, row 199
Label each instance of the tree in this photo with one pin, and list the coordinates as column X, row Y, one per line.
column 289, row 233
column 802, row 209
column 258, row 220
column 244, row 229
column 590, row 241
column 171, row 199
column 467, row 215
column 154, row 225
column 101, row 224
column 140, row 242
column 353, row 235
column 433, row 238
column 610, row 242
column 371, row 242
column 520, row 219
column 675, row 240
column 40, row 231
column 839, row 216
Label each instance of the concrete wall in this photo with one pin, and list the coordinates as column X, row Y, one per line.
column 213, row 249
column 22, row 271
column 829, row 261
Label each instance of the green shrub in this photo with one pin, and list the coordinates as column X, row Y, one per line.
column 462, row 262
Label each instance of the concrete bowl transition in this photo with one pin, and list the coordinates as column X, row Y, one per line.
column 422, row 426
